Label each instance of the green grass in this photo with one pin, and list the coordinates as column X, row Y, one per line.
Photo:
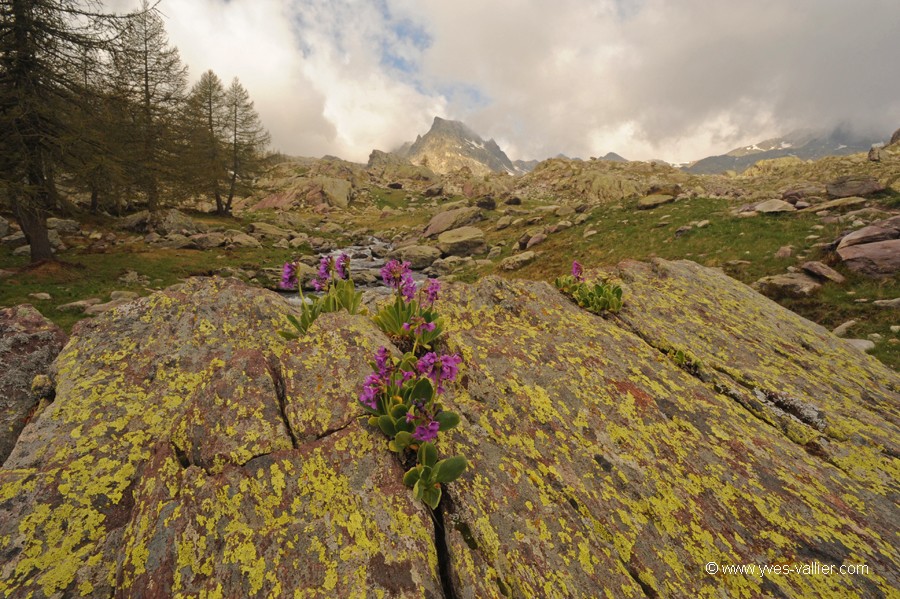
column 83, row 276
column 627, row 233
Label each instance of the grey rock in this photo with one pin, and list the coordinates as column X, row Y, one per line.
column 854, row 185
column 879, row 259
column 862, row 345
column 452, row 219
column 463, row 241
column 419, row 256
column 868, row 234
column 517, row 261
column 652, row 201
column 67, row 226
column 4, row 227
column 774, row 207
column 822, row 271
column 787, row 285
column 842, row 329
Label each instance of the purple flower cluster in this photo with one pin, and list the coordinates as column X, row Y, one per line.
column 397, row 275
column 331, row 269
column 439, row 369
column 431, row 289
column 577, row 271
column 372, row 388
column 426, row 432
column 289, row 275
column 418, row 326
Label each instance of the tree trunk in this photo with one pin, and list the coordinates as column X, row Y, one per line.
column 220, row 205
column 95, row 199
column 231, row 193
column 33, row 221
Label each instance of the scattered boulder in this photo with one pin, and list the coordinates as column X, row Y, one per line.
column 842, row 329
column 503, row 222
column 167, row 222
column 267, row 231
column 41, row 296
column 879, row 259
column 80, row 305
column 123, row 295
column 207, row 241
column 822, row 271
column 854, row 185
column 14, row 240
column 539, row 238
column 28, row 345
column 464, row 241
column 513, row 201
column 652, row 201
column 419, row 256
column 784, row 251
column 434, row 190
column 517, row 261
column 175, row 241
column 869, row 234
column 63, row 225
column 564, row 211
column 773, row 207
column 889, row 303
column 838, row 203
column 4, row 227
column 486, row 203
column 96, row 309
column 787, row 285
column 863, row 345
column 874, row 154
column 452, row 219
column 241, row 239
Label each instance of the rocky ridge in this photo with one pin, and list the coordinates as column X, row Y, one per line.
column 191, row 451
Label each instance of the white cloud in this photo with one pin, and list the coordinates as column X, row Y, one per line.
column 645, row 78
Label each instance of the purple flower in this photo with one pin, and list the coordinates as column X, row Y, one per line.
column 289, row 275
column 381, row 361
column 427, row 432
column 397, row 275
column 342, row 266
column 439, row 369
column 577, row 271
column 372, row 387
column 450, row 367
column 417, row 325
column 432, row 288
column 324, row 274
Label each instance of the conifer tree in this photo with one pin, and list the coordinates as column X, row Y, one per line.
column 43, row 50
column 151, row 80
column 248, row 140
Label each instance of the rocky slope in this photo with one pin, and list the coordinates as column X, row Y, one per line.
column 192, row 452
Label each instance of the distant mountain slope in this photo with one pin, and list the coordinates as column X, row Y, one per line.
column 807, row 145
column 451, row 145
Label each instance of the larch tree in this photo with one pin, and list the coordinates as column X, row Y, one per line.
column 247, row 140
column 151, row 80
column 43, row 48
column 207, row 123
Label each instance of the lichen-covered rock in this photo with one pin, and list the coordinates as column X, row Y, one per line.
column 28, row 345
column 191, row 452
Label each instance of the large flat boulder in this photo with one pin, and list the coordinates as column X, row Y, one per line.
column 464, row 241
column 192, row 452
column 854, row 185
column 28, row 345
column 879, row 259
column 452, row 219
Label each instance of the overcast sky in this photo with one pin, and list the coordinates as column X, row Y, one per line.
column 669, row 79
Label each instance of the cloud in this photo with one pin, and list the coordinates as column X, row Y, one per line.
column 667, row 79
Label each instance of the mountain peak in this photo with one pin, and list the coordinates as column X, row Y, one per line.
column 450, row 145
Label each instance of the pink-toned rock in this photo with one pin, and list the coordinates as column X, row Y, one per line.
column 28, row 344
column 823, row 272
column 868, row 234
column 879, row 259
